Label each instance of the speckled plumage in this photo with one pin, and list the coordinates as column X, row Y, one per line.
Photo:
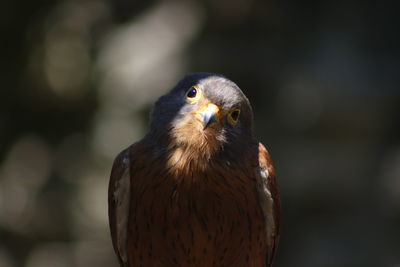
column 186, row 195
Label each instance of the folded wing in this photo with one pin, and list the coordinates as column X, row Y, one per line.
column 119, row 203
column 269, row 201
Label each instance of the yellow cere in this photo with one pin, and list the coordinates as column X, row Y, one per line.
column 210, row 107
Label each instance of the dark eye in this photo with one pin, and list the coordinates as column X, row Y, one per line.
column 191, row 93
column 233, row 116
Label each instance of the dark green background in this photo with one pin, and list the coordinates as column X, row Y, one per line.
column 78, row 79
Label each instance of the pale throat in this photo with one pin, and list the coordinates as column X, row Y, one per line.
column 191, row 147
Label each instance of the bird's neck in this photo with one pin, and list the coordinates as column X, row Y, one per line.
column 197, row 154
column 181, row 152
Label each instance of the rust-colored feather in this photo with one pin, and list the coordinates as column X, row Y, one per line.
column 206, row 217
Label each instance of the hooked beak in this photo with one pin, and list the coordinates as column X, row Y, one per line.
column 210, row 115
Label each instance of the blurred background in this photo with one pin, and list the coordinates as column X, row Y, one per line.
column 78, row 78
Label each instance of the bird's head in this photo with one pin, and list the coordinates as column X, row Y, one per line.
column 204, row 113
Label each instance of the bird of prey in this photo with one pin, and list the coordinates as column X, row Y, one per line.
column 198, row 189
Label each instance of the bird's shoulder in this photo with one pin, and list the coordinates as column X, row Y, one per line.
column 120, row 172
column 122, row 163
column 266, row 166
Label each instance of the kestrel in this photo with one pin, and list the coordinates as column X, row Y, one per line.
column 198, row 189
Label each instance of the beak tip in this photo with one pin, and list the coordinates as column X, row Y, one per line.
column 209, row 121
